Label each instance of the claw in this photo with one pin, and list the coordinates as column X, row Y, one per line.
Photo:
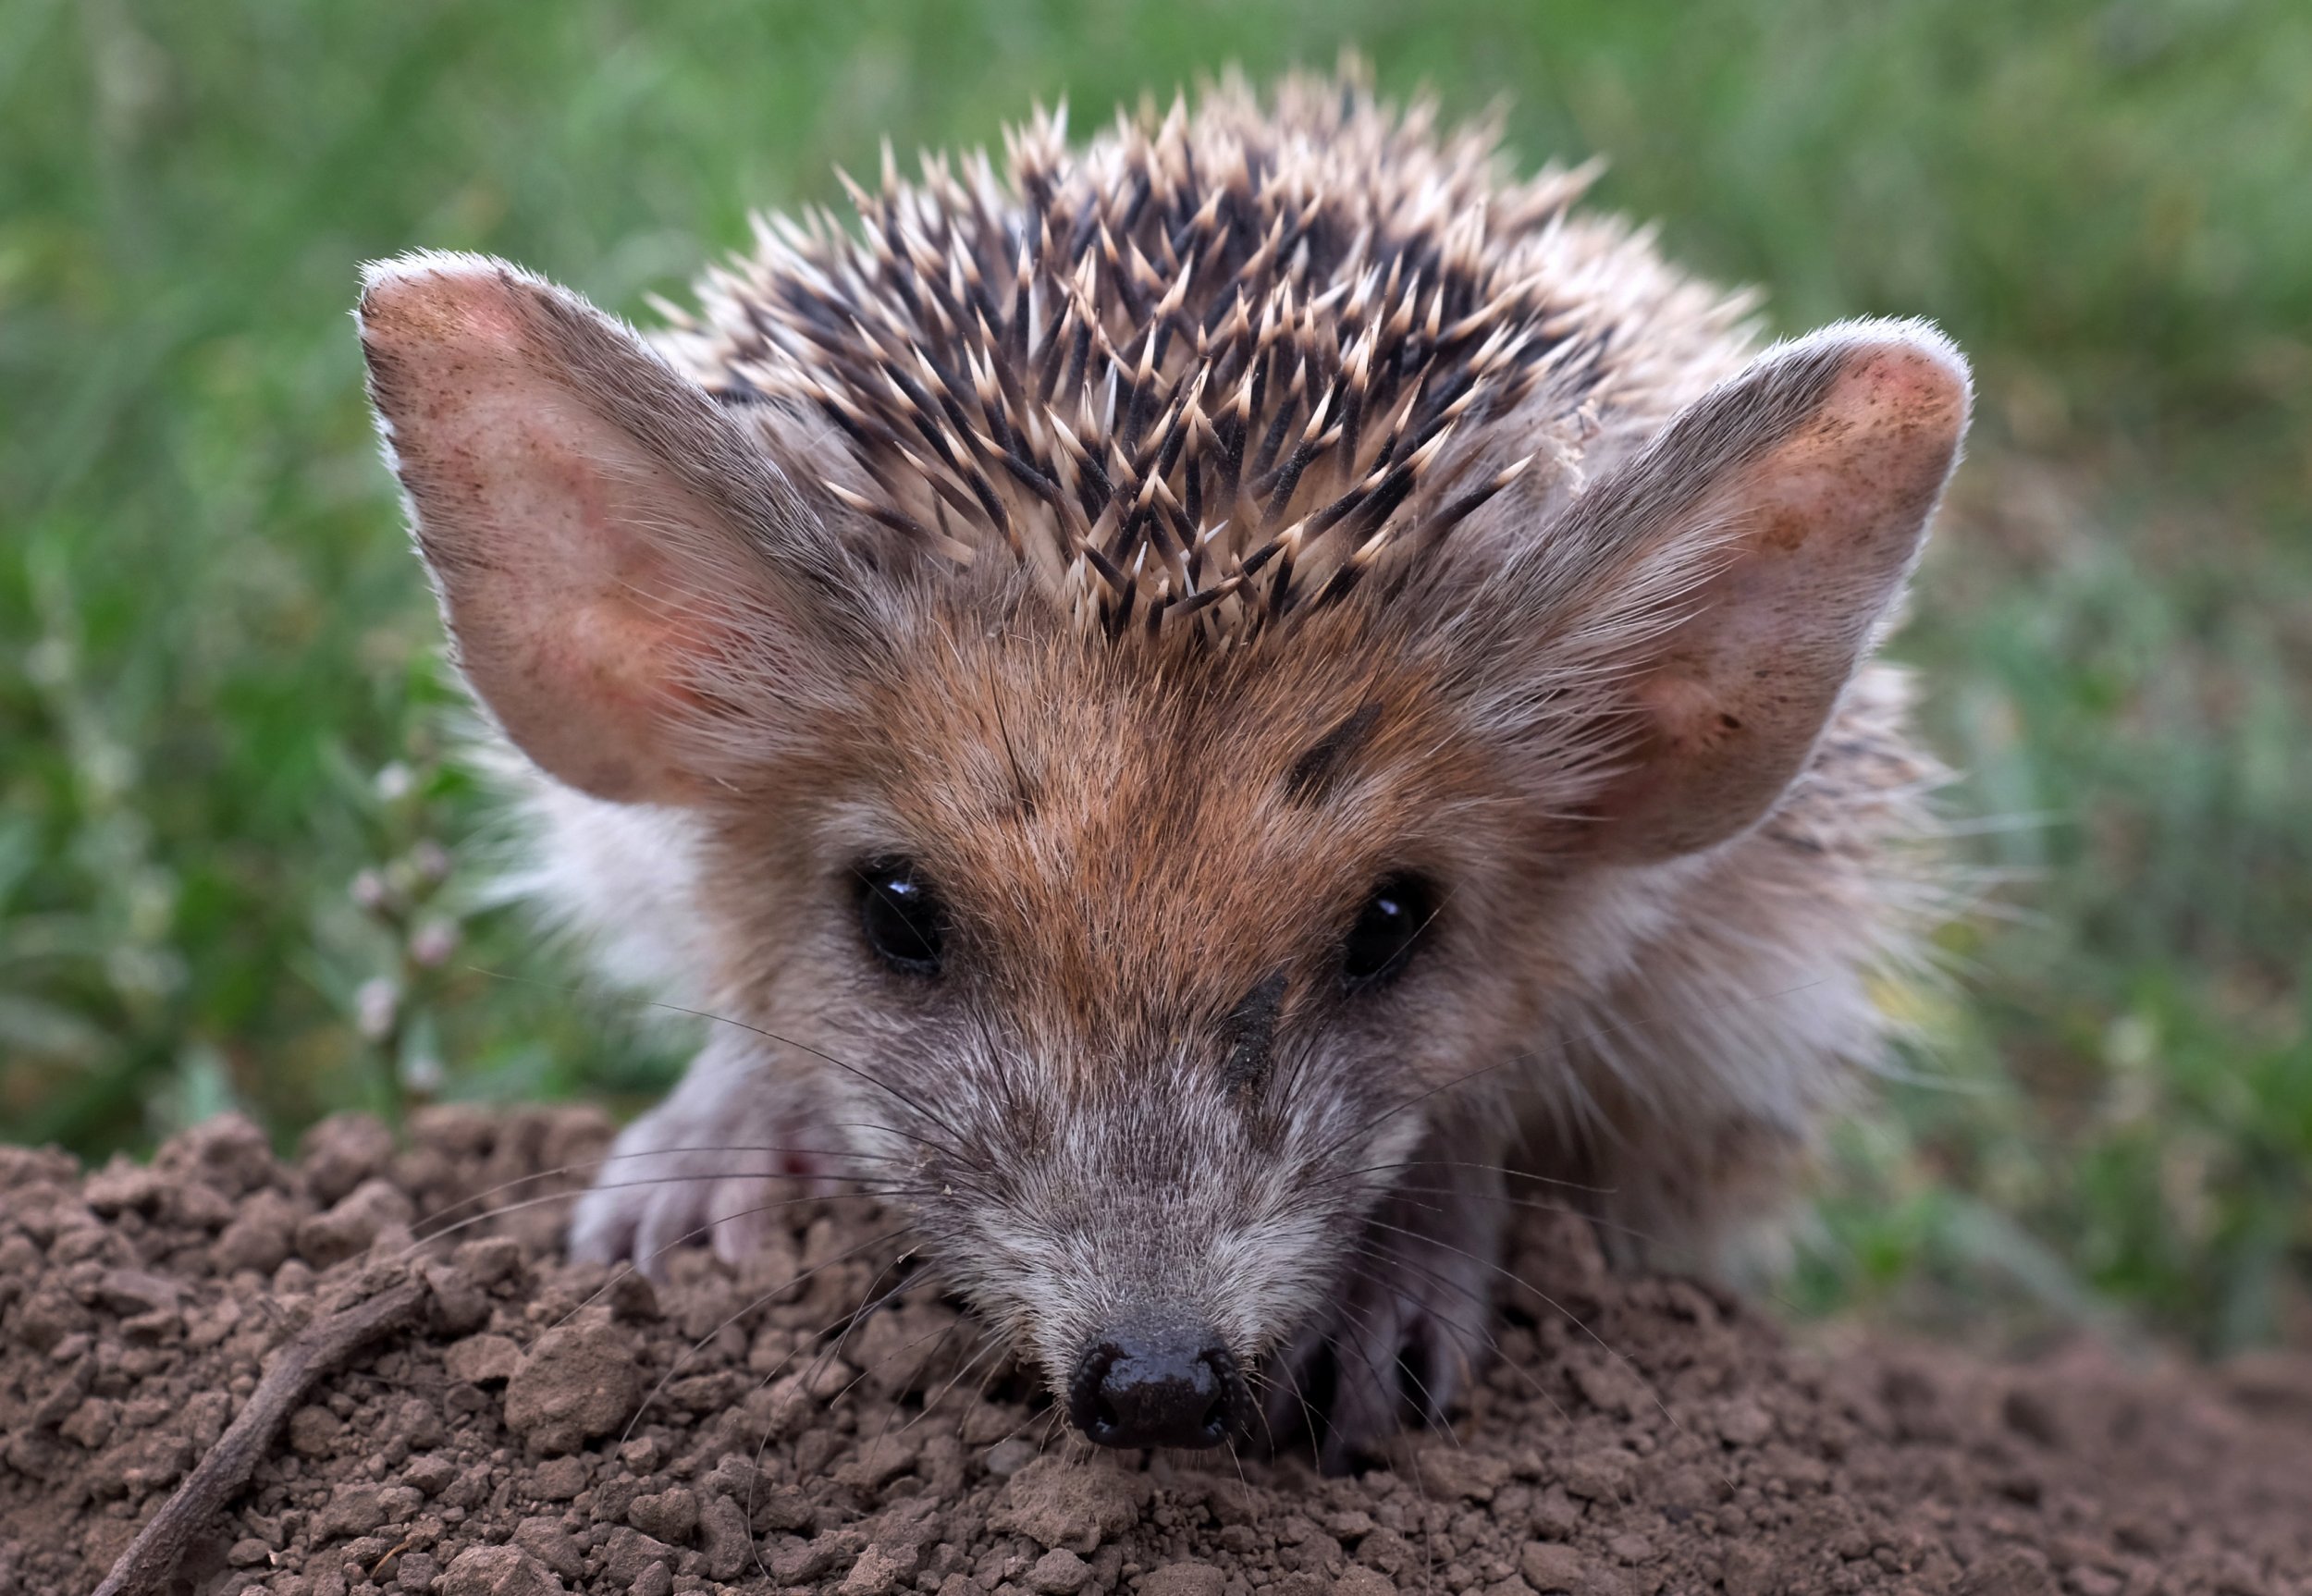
column 706, row 1167
column 1412, row 1326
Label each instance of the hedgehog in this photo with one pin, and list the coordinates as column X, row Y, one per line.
column 1200, row 709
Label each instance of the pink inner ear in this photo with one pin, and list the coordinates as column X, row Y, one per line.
column 600, row 628
column 1690, row 717
column 1825, row 523
column 583, row 583
column 623, row 660
column 478, row 316
column 1868, row 466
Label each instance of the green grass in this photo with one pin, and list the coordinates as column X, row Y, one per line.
column 213, row 640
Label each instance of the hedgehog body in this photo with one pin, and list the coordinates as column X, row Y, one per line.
column 1195, row 705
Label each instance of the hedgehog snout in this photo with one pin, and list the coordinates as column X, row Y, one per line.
column 1164, row 1385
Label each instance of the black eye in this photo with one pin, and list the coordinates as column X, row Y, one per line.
column 1386, row 929
column 901, row 916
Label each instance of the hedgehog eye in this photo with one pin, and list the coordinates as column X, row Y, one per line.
column 901, row 916
column 1386, row 929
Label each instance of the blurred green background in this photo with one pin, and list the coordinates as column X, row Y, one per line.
column 234, row 869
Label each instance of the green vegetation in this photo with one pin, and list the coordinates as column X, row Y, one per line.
column 218, row 701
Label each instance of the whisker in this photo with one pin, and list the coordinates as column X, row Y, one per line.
column 525, row 1203
column 1530, row 1055
column 1326, row 1153
column 987, row 1339
column 859, row 1316
column 1486, row 1307
column 634, row 1266
column 597, row 1164
column 1488, row 1169
column 990, row 1342
column 1652, row 1391
column 893, row 1131
column 987, row 1380
column 1531, row 1205
column 915, row 1379
column 1307, row 1413
column 1054, row 1424
column 842, row 1064
column 757, row 1303
column 1025, row 1421
column 763, row 1445
column 1566, row 1210
column 1429, row 1401
column 931, row 1335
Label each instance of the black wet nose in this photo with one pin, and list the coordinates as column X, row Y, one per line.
column 1160, row 1388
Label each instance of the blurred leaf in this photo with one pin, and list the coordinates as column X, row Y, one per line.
column 46, row 1030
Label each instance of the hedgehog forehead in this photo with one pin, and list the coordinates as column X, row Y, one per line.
column 1167, row 838
column 1199, row 373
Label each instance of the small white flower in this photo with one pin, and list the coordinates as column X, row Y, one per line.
column 430, row 860
column 433, row 942
column 376, row 1004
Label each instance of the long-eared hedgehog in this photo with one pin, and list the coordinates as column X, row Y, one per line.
column 1196, row 701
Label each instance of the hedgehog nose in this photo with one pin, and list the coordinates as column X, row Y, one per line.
column 1161, row 1388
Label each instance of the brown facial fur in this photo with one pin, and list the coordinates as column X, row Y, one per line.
column 1120, row 837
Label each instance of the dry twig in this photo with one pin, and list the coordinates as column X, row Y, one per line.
column 300, row 1365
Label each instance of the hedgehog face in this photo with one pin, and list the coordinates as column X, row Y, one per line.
column 1143, row 965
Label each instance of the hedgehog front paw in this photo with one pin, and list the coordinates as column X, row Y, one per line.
column 705, row 1166
column 1412, row 1326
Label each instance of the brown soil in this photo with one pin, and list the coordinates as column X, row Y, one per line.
column 490, row 1453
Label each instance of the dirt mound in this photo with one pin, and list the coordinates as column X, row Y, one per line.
column 1642, row 1436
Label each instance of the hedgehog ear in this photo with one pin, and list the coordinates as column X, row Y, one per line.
column 1738, row 568
column 615, row 560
